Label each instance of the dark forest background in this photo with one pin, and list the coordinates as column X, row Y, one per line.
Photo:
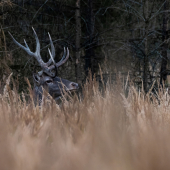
column 123, row 37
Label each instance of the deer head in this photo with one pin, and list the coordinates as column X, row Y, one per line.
column 47, row 77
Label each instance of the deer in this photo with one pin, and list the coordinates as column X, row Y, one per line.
column 47, row 78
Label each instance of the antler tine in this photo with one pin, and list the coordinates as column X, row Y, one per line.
column 52, row 46
column 64, row 55
column 52, row 50
column 62, row 61
column 51, row 56
column 37, row 52
column 26, row 44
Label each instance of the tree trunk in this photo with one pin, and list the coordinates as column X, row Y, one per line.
column 78, row 38
column 163, row 72
column 146, row 59
column 145, row 67
column 89, row 59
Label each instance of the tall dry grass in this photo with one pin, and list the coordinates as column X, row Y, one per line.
column 104, row 130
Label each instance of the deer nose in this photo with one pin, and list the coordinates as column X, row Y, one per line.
column 74, row 86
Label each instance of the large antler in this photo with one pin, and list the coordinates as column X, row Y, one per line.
column 46, row 67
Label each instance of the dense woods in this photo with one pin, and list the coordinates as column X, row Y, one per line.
column 126, row 37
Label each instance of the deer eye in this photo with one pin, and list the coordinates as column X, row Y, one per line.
column 49, row 81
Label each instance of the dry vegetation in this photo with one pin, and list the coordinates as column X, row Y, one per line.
column 105, row 130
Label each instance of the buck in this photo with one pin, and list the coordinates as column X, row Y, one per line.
column 47, row 77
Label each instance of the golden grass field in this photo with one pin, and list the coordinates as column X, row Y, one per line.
column 104, row 130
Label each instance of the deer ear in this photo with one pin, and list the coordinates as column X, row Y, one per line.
column 36, row 78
